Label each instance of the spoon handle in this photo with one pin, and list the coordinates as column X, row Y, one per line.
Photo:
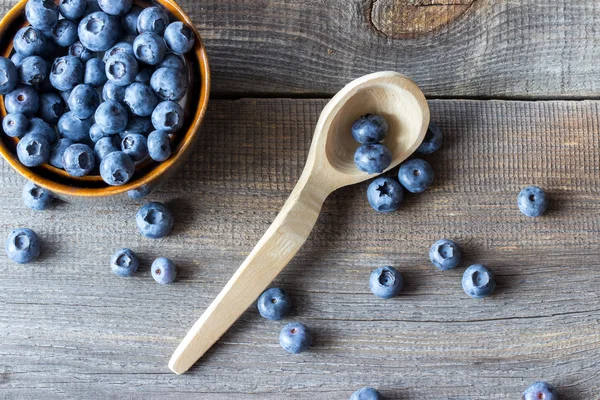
column 275, row 249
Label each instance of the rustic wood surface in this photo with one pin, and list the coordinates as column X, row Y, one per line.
column 71, row 329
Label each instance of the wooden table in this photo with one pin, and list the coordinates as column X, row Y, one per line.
column 512, row 84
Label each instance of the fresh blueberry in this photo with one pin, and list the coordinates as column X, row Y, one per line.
column 36, row 198
column 23, row 99
column 532, row 201
column 124, row 262
column 135, row 146
column 372, row 158
column 99, row 31
column 42, row 14
column 139, row 192
column 23, row 246
column 295, row 338
column 29, row 42
column 83, row 101
column 72, row 9
column 366, row 393
column 386, row 282
column 33, row 150
column 92, row 6
column 37, row 126
column 149, row 48
column 65, row 33
column 141, row 125
column 415, row 175
column 130, row 19
column 385, row 195
column 9, row 75
column 96, row 133
column 15, row 125
column 104, row 147
column 168, row 116
column 540, row 391
column 117, row 168
column 66, row 73
column 159, row 146
column 71, row 127
column 432, row 141
column 274, row 304
column 78, row 160
column 33, row 70
column 179, row 37
column 121, row 47
column 57, row 151
column 169, row 84
column 121, row 69
column 152, row 19
column 163, row 271
column 369, row 129
column 78, row 50
column 65, row 95
column 144, row 76
column 478, row 281
column 95, row 73
column 17, row 59
column 115, row 7
column 114, row 92
column 173, row 61
column 51, row 107
column 445, row 254
column 141, row 99
column 111, row 117
column 154, row 220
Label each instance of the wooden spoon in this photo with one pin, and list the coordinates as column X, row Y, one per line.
column 330, row 166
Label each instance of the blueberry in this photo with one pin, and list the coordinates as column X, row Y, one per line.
column 51, row 107
column 385, row 195
column 366, row 394
column 9, row 75
column 152, row 19
column 124, row 262
column 478, row 281
column 169, row 84
column 372, row 158
column 115, row 7
column 129, row 20
column 119, row 48
column 179, row 37
column 415, row 175
column 159, row 146
column 17, row 59
column 149, row 48
column 540, row 391
column 532, row 201
column 72, row 9
column 154, row 220
column 66, row 73
column 78, row 50
column 96, row 133
column 135, row 146
column 121, row 69
column 92, row 6
column 37, row 126
column 168, row 116
column 173, row 61
column 57, row 151
column 78, row 160
column 15, row 125
column 140, row 99
column 65, row 33
column 117, row 168
column 23, row 246
column 104, row 147
column 33, row 150
column 95, row 73
column 163, row 271
column 144, row 76
column 432, row 141
column 445, row 254
column 29, row 42
column 369, row 129
column 83, row 101
column 141, row 125
column 71, row 127
column 23, row 99
column 295, row 338
column 41, row 14
column 33, row 70
column 99, row 31
column 36, row 198
column 274, row 304
column 139, row 192
column 114, row 92
column 111, row 117
column 386, row 282
column 65, row 95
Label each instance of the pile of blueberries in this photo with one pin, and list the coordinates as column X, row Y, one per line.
column 94, row 86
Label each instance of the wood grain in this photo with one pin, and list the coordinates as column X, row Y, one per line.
column 71, row 329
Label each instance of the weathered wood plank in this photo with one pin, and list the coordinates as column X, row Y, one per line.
column 70, row 329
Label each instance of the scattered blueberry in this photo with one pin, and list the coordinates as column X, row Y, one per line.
column 104, row 147
column 23, row 246
column 163, row 271
column 540, row 391
column 15, row 125
column 65, row 33
column 159, row 146
column 154, row 220
column 121, row 69
column 130, row 19
column 83, row 54
column 23, row 99
column 33, row 70
column 415, row 175
column 51, row 107
column 36, row 198
column 295, row 338
column 37, row 126
column 149, row 48
column 119, row 48
column 152, row 19
column 78, row 160
column 117, row 168
column 532, row 201
column 141, row 125
column 99, row 31
column 96, row 133
column 179, row 37
column 17, row 59
column 478, row 281
column 42, row 14
column 29, row 42
column 168, row 116
column 386, row 282
column 372, row 158
column 144, row 76
column 135, row 146
column 95, row 73
column 57, row 151
column 140, row 192
column 9, row 75
column 432, row 141
column 72, row 9
column 111, row 117
column 169, row 83
column 114, row 92
column 124, row 262
column 115, row 7
column 274, row 304
column 83, row 101
column 66, row 73
column 445, row 254
column 173, row 61
column 366, row 394
column 369, row 129
column 71, row 127
column 385, row 195
column 140, row 99
column 33, row 150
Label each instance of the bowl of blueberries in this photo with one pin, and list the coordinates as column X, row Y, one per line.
column 100, row 98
